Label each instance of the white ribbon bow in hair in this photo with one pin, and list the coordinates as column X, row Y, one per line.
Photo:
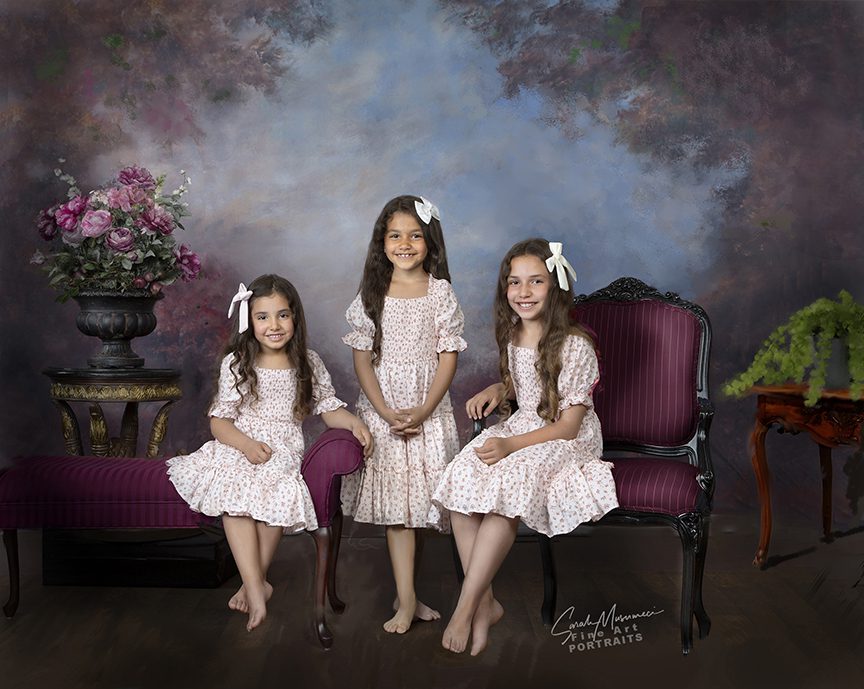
column 426, row 210
column 558, row 263
column 243, row 295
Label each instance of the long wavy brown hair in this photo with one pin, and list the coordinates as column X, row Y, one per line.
column 245, row 347
column 378, row 270
column 556, row 327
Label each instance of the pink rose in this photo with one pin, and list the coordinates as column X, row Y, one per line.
column 127, row 196
column 95, row 223
column 137, row 176
column 67, row 214
column 157, row 219
column 120, row 239
column 155, row 288
column 190, row 264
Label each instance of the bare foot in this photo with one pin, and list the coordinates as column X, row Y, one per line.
column 401, row 621
column 456, row 635
column 489, row 612
column 257, row 608
column 421, row 612
column 238, row 601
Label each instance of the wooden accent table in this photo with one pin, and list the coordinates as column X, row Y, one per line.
column 98, row 385
column 834, row 420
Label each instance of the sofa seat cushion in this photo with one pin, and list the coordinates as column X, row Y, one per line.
column 91, row 492
column 656, row 484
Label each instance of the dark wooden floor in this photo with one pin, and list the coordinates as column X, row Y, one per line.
column 799, row 623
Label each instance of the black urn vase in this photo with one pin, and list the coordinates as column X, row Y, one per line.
column 116, row 318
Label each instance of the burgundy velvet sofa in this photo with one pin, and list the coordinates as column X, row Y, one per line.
column 74, row 492
column 654, row 409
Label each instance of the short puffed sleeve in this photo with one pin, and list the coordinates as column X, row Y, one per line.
column 580, row 373
column 228, row 398
column 323, row 395
column 363, row 329
column 449, row 321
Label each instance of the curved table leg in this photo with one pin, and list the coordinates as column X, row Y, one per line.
column 129, row 431
column 10, row 540
column 763, row 478
column 71, row 430
column 825, row 461
column 100, row 444
column 160, row 427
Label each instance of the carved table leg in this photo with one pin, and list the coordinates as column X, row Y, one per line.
column 825, row 461
column 160, row 427
column 71, row 431
column 100, row 445
column 129, row 431
column 10, row 541
column 763, row 478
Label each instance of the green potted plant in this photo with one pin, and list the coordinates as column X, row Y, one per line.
column 799, row 350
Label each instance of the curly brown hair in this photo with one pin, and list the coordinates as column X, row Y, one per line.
column 245, row 347
column 378, row 269
column 556, row 327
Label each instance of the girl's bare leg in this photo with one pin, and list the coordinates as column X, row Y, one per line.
column 401, row 544
column 268, row 541
column 492, row 542
column 423, row 611
column 489, row 611
column 242, row 535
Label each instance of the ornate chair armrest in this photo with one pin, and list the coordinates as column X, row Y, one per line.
column 335, row 454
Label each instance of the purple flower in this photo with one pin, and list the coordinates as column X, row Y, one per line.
column 120, row 238
column 157, row 219
column 67, row 214
column 190, row 264
column 137, row 176
column 139, row 283
column 46, row 224
column 95, row 223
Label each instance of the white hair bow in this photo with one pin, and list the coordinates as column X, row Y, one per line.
column 426, row 210
column 560, row 264
column 243, row 295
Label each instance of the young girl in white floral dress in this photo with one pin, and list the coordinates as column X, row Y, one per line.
column 250, row 474
column 406, row 334
column 542, row 464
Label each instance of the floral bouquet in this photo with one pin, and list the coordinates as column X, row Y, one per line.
column 118, row 238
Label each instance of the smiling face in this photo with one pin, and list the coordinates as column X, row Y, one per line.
column 272, row 321
column 528, row 287
column 404, row 244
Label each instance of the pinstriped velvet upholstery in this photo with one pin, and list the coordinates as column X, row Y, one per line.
column 649, row 353
column 663, row 486
column 335, row 454
column 91, row 492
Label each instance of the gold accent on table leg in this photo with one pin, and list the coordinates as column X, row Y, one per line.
column 99, row 443
column 160, row 427
column 71, row 431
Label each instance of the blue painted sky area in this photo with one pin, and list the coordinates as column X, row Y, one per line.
column 403, row 98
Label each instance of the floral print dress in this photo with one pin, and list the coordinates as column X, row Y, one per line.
column 552, row 486
column 218, row 479
column 397, row 482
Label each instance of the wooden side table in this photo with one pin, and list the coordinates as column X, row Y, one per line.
column 95, row 386
column 835, row 420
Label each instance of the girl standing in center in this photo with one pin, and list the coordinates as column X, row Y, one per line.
column 407, row 332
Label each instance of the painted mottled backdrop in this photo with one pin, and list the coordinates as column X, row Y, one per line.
column 713, row 149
